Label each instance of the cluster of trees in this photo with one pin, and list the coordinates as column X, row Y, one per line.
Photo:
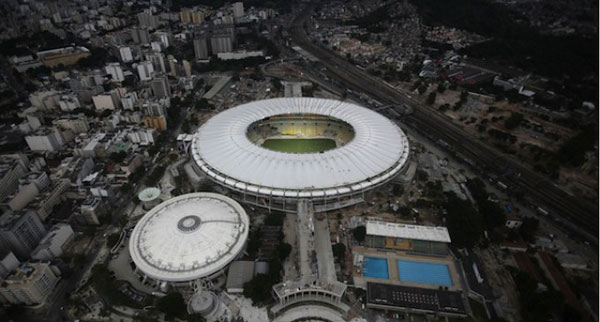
column 492, row 213
column 431, row 98
column 105, row 284
column 98, row 57
column 502, row 136
column 513, row 121
column 540, row 306
column 572, row 152
column 373, row 21
column 155, row 175
column 118, row 157
column 339, row 252
column 259, row 288
column 465, row 225
column 464, row 96
column 513, row 43
column 359, row 233
column 172, row 305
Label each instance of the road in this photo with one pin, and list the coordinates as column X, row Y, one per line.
column 577, row 214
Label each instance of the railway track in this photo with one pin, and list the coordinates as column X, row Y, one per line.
column 577, row 214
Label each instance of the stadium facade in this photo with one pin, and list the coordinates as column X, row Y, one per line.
column 370, row 150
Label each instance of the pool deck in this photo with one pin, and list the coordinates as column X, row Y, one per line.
column 392, row 260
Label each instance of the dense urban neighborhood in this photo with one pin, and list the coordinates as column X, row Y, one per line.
column 339, row 160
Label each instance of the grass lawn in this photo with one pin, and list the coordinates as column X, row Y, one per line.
column 299, row 145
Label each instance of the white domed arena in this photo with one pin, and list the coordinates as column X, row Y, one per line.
column 189, row 238
column 272, row 153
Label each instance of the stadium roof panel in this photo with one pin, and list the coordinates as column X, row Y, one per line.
column 189, row 237
column 405, row 231
column 223, row 151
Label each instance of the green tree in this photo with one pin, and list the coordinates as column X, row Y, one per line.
column 259, row 288
column 573, row 151
column 513, row 121
column 172, row 305
column 441, row 88
column 339, row 251
column 283, row 251
column 398, row 190
column 360, row 233
column 464, row 223
column 112, row 239
column 185, row 127
column 431, row 98
column 528, row 228
column 274, row 219
column 118, row 157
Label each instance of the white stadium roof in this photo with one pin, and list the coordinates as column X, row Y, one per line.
column 189, row 237
column 223, row 151
column 405, row 231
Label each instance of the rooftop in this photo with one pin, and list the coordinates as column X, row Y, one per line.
column 189, row 237
column 406, row 231
column 223, row 151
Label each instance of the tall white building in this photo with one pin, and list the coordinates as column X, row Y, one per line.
column 126, row 55
column 12, row 168
column 164, row 37
column 158, row 62
column 115, row 71
column 147, row 19
column 54, row 243
column 221, row 43
column 45, row 140
column 140, row 35
column 129, row 101
column 160, row 87
column 77, row 124
column 21, row 232
column 30, row 284
column 201, row 48
column 145, row 70
column 187, row 67
column 238, row 9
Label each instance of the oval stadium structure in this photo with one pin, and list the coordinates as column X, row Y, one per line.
column 274, row 152
column 189, row 237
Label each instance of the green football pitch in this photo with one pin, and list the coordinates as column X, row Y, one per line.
column 299, row 145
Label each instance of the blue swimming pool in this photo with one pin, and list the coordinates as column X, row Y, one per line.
column 375, row 267
column 426, row 273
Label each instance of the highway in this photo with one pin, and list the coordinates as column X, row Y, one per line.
column 576, row 214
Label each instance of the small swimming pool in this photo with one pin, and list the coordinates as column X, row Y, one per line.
column 375, row 267
column 426, row 273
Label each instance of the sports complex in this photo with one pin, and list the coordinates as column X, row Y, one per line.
column 272, row 153
column 188, row 238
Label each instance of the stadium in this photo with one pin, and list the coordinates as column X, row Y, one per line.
column 188, row 238
column 272, row 153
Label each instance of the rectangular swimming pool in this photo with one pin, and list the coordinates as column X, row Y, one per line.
column 375, row 267
column 426, row 273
